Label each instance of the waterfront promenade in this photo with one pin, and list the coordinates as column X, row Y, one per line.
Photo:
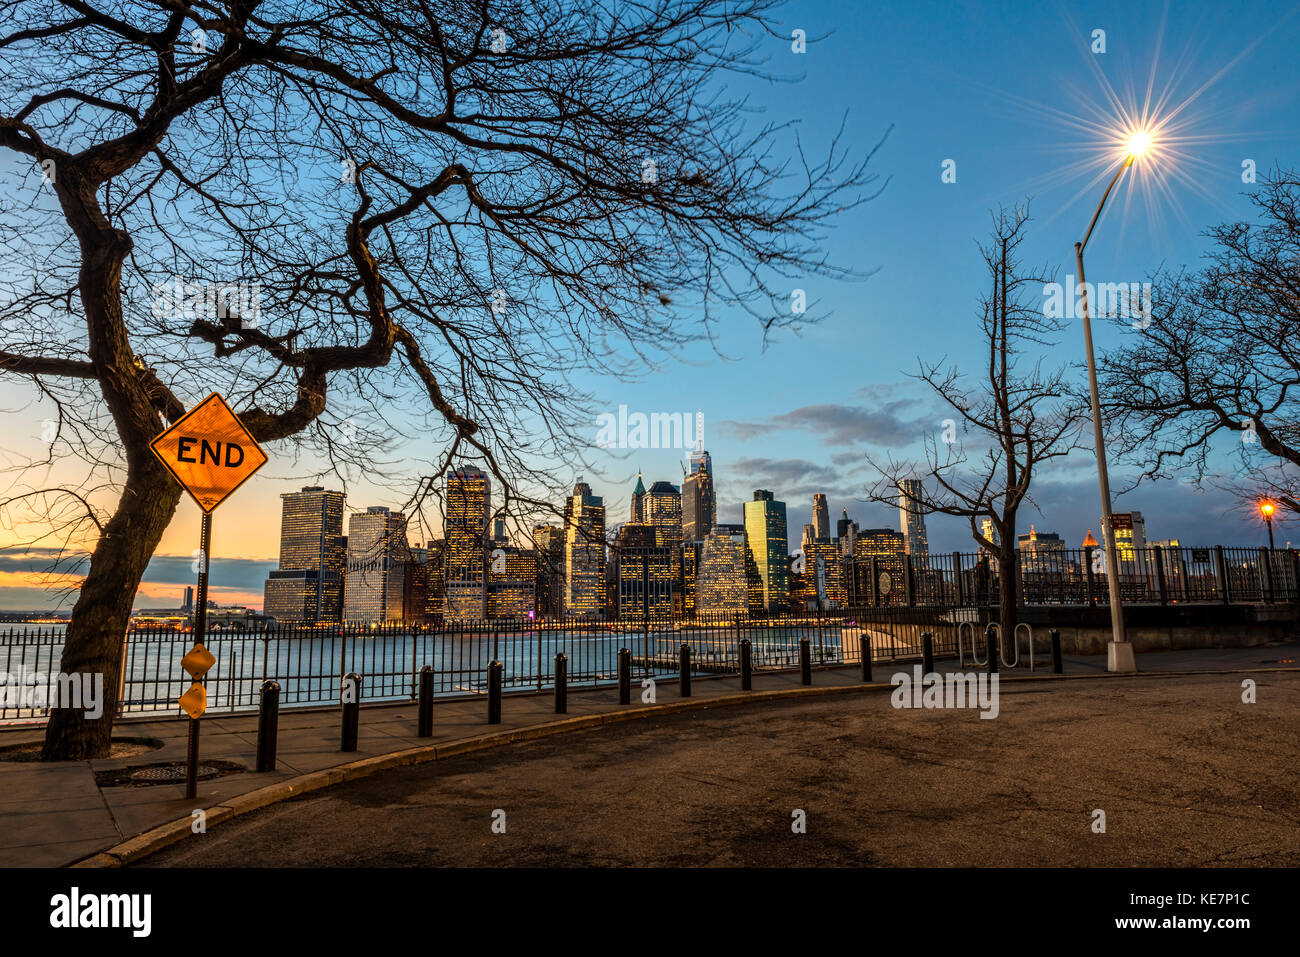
column 52, row 815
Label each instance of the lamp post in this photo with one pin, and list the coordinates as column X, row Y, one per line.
column 1267, row 508
column 1119, row 653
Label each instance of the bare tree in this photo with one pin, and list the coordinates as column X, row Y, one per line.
column 443, row 210
column 1017, row 416
column 1219, row 357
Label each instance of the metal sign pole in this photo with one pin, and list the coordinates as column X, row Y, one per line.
column 200, row 630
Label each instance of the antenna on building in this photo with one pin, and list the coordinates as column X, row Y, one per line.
column 699, row 431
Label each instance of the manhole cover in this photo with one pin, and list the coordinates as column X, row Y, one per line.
column 166, row 772
column 174, row 772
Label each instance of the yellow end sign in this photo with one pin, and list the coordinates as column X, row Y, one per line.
column 198, row 661
column 209, row 452
column 195, row 701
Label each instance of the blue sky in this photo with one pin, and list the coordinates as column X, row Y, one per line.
column 992, row 87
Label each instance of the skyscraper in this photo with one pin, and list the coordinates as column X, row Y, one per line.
column 699, row 505
column 584, row 553
column 769, row 549
column 308, row 586
column 721, row 583
column 642, row 574
column 638, row 501
column 465, row 526
column 911, row 520
column 548, row 542
column 881, row 549
column 821, row 518
column 378, row 554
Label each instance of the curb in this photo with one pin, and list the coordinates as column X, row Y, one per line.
column 164, row 835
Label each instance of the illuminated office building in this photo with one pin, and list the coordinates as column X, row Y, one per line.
column 821, row 518
column 699, row 503
column 911, row 520
column 642, row 574
column 638, row 502
column 512, row 582
column 308, row 585
column 769, row 551
column 378, row 553
column 584, row 553
column 1042, row 553
column 548, row 543
column 1130, row 539
column 888, row 550
column 722, row 584
column 465, row 528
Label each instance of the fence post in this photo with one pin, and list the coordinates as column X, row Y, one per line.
column 684, row 666
column 495, row 668
column 1057, row 666
column 561, row 684
column 927, row 653
column 873, row 578
column 624, row 676
column 1161, row 588
column 864, row 643
column 1087, row 565
column 1266, row 578
column 909, row 582
column 424, row 724
column 957, row 578
column 268, row 725
column 746, row 666
column 351, row 710
column 805, row 661
column 991, row 647
column 1221, row 569
column 1295, row 574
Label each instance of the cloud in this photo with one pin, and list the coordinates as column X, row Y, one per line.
column 885, row 424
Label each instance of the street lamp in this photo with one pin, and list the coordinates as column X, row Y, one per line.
column 1267, row 508
column 1119, row 653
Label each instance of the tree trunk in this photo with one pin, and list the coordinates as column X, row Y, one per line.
column 96, row 635
column 1008, row 606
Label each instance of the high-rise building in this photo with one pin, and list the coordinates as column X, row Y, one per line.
column 465, row 527
column 1042, row 553
column 308, row 586
column 809, row 536
column 584, row 553
column 821, row 578
column 512, row 582
column 663, row 512
column 888, row 550
column 638, row 501
column 721, row 581
column 988, row 531
column 499, row 536
column 846, row 531
column 188, row 605
column 699, row 504
column 1130, row 541
column 769, row 550
column 911, row 518
column 642, row 574
column 548, row 543
column 378, row 554
column 821, row 518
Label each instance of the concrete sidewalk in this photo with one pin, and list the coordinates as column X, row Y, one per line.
column 56, row 814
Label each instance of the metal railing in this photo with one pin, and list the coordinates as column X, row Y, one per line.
column 309, row 663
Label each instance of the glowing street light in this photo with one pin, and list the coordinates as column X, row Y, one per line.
column 1119, row 653
column 1266, row 509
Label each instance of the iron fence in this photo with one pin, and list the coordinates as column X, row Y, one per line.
column 310, row 662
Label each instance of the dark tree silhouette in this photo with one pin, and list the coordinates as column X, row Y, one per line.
column 1220, row 357
column 1006, row 424
column 446, row 209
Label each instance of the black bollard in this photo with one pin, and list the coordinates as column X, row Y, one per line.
column 864, row 645
column 746, row 666
column 1057, row 666
column 424, row 723
column 495, row 668
column 805, row 661
column 991, row 644
column 561, row 684
column 268, row 725
column 684, row 666
column 351, row 710
column 927, row 653
column 624, row 676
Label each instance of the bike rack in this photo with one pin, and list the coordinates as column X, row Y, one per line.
column 1030, row 629
column 974, row 649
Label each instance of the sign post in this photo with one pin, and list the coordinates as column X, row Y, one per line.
column 210, row 453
